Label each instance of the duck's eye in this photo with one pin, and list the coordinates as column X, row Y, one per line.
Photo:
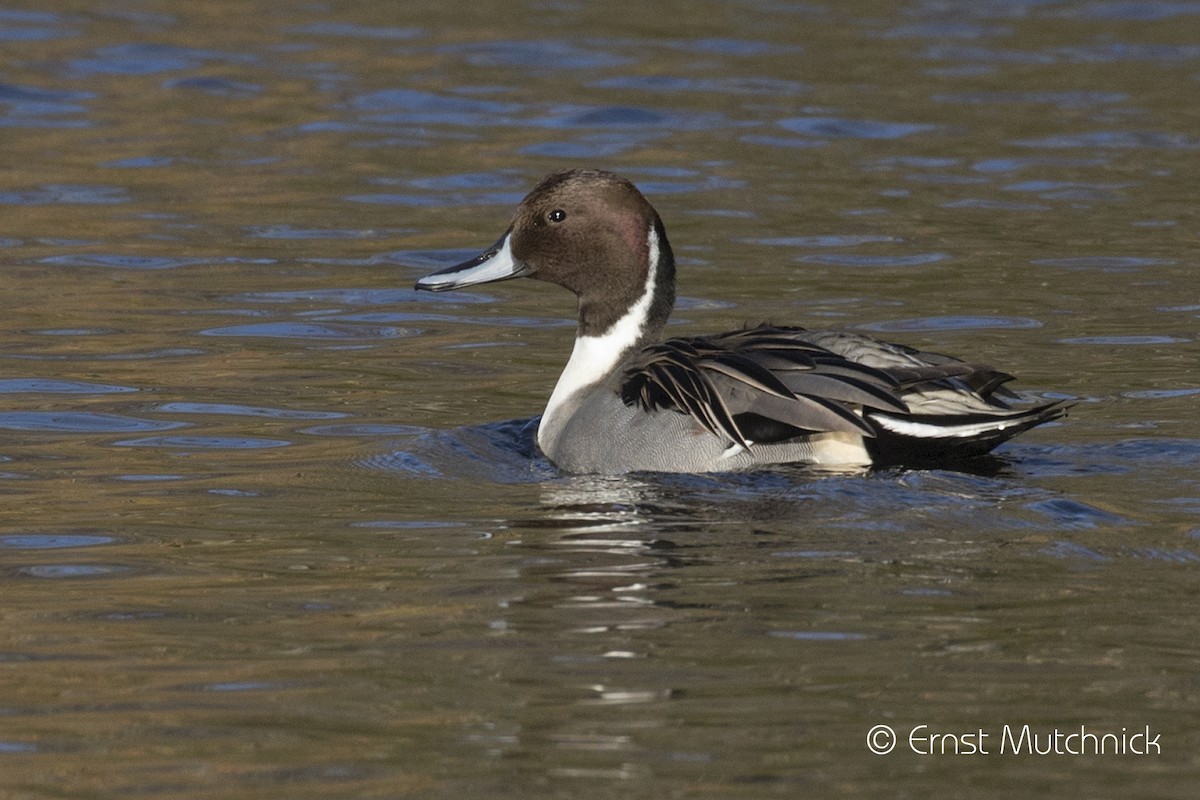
column 557, row 215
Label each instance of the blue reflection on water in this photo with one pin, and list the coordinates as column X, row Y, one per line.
column 80, row 422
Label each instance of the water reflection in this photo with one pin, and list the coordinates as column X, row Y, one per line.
column 650, row 506
column 354, row 576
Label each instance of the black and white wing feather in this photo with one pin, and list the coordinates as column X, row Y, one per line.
column 770, row 384
column 759, row 385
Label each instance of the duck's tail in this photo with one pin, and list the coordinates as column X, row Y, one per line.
column 916, row 437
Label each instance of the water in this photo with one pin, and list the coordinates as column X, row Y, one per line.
column 274, row 524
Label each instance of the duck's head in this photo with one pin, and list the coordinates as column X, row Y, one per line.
column 587, row 230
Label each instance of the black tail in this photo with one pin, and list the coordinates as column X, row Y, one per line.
column 919, row 438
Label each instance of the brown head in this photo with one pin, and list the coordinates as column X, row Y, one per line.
column 587, row 230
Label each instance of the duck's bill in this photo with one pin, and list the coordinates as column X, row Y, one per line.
column 494, row 264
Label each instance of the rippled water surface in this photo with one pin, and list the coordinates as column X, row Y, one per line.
column 274, row 525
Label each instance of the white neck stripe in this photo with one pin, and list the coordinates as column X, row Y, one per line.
column 594, row 357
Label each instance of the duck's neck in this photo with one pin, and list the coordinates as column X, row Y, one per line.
column 598, row 352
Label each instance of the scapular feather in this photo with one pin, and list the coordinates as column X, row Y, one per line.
column 770, row 384
column 716, row 381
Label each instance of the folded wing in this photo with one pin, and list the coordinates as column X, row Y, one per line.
column 770, row 384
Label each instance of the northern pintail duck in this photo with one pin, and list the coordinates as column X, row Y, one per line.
column 628, row 401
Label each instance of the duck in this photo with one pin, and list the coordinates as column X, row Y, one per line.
column 629, row 400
